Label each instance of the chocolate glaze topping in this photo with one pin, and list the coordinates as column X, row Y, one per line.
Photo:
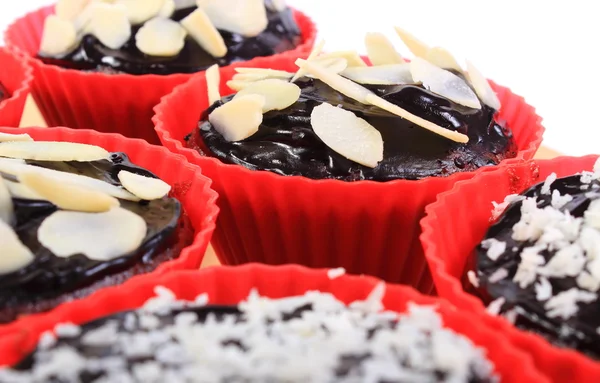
column 286, row 143
column 580, row 330
column 49, row 276
column 282, row 34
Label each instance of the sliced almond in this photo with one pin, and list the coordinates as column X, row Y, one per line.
column 109, row 23
column 442, row 58
column 15, row 255
column 365, row 96
column 70, row 9
column 335, row 65
column 59, row 37
column 7, row 137
column 245, row 17
column 160, row 37
column 6, row 204
column 381, row 51
column 238, row 85
column 276, row 5
column 167, row 9
column 145, row 188
column 17, row 167
column 348, row 135
column 482, row 87
column 444, row 83
column 278, row 94
column 249, row 77
column 140, row 11
column 52, row 151
column 200, row 27
column 213, row 82
column 352, row 58
column 317, row 49
column 266, row 72
column 396, row 74
column 416, row 46
column 240, row 118
column 180, row 4
column 67, row 196
column 98, row 236
column 18, row 190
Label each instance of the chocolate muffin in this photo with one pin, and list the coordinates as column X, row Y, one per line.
column 259, row 340
column 539, row 262
column 75, row 218
column 165, row 36
column 339, row 119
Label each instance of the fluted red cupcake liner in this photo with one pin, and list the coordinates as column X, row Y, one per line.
column 366, row 227
column 189, row 186
column 16, row 75
column 112, row 103
column 457, row 223
column 230, row 285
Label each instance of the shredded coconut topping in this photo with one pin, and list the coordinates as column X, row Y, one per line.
column 494, row 248
column 500, row 207
column 336, row 273
column 309, row 338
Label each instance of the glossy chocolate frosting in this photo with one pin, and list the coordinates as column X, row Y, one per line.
column 49, row 276
column 286, row 143
column 282, row 34
column 580, row 330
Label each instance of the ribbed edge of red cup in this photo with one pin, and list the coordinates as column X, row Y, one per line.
column 366, row 227
column 115, row 103
column 16, row 75
column 230, row 285
column 457, row 223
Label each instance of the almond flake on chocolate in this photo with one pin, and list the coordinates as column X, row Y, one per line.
column 396, row 74
column 145, row 188
column 6, row 204
column 352, row 57
column 18, row 190
column 381, row 51
column 167, row 9
column 236, row 85
column 444, row 83
column 140, row 11
column 7, row 137
column 365, row 96
column 348, row 135
column 442, row 58
column 317, row 49
column 213, row 82
column 245, row 17
column 265, row 72
column 200, row 27
column 482, row 87
column 160, row 37
column 278, row 94
column 335, row 65
column 59, row 37
column 416, row 46
column 98, row 236
column 109, row 23
column 69, row 9
column 66, row 195
column 15, row 255
column 52, row 151
column 240, row 118
column 249, row 77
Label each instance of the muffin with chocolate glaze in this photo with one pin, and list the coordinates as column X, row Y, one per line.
column 539, row 262
column 295, row 153
column 75, row 218
column 88, row 49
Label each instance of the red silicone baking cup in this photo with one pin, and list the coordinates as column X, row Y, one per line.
column 16, row 75
column 366, row 227
column 230, row 285
column 189, row 186
column 115, row 103
column 457, row 223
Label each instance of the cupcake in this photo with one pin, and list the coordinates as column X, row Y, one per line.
column 304, row 149
column 531, row 259
column 75, row 217
column 87, row 51
column 267, row 335
column 15, row 80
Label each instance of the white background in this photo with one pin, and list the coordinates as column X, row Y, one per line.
column 544, row 50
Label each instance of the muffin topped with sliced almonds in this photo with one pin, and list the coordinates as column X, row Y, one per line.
column 339, row 118
column 165, row 36
column 74, row 218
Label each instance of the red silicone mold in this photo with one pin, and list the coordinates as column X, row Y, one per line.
column 457, row 223
column 328, row 223
column 230, row 285
column 118, row 103
column 16, row 76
